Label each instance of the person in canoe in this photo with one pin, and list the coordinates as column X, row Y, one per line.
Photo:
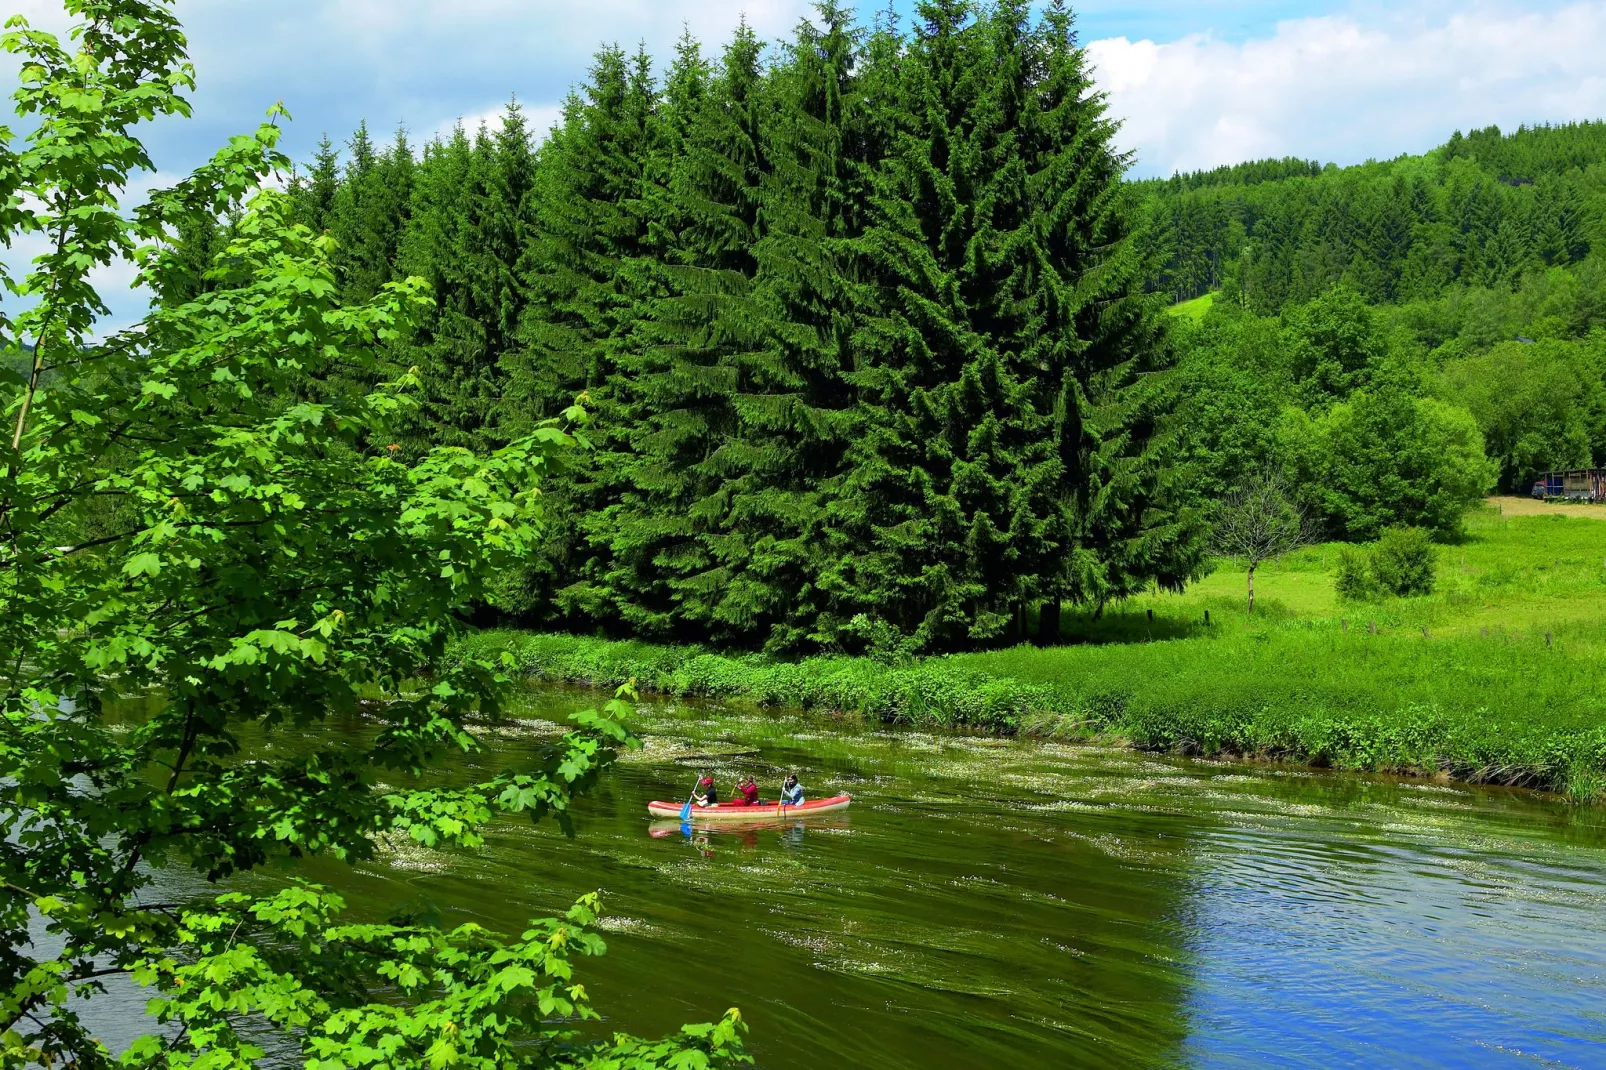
column 791, row 791
column 706, row 794
column 746, row 792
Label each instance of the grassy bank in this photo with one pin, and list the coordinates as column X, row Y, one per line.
column 1496, row 677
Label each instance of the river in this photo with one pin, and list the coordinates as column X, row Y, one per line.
column 996, row 903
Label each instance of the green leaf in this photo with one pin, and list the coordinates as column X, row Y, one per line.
column 142, row 564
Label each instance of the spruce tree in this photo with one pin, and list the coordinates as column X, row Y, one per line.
column 794, row 405
column 1009, row 455
column 353, row 216
column 1126, row 516
column 314, row 193
column 470, row 222
column 699, row 326
column 940, row 507
column 591, row 225
column 459, row 385
column 660, row 410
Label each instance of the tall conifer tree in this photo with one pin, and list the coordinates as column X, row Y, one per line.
column 794, row 405
column 1127, row 517
column 591, row 229
column 937, row 511
column 1009, row 450
column 362, row 263
column 439, row 246
column 315, row 191
column 662, row 404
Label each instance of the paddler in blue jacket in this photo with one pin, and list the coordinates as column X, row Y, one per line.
column 792, row 791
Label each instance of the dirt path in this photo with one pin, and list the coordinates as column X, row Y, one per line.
column 1514, row 506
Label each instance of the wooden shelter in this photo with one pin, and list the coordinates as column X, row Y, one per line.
column 1576, row 485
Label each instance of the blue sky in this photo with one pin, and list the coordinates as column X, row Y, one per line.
column 426, row 62
column 549, row 46
column 1411, row 72
column 1196, row 83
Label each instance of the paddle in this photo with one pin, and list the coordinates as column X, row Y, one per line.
column 685, row 811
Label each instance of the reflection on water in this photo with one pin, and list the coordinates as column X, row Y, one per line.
column 993, row 903
column 746, row 834
column 1408, row 943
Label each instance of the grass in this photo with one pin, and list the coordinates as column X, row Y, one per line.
column 1495, row 677
column 1194, row 310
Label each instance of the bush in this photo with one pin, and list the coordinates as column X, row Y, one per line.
column 1403, row 562
column 1354, row 582
column 1385, row 458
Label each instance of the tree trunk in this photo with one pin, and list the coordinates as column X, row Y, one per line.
column 1048, row 624
column 1251, row 589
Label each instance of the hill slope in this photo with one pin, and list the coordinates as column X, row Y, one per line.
column 1483, row 209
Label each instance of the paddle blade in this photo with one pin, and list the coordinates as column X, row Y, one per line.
column 685, row 811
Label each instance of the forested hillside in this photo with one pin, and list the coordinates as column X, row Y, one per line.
column 1484, row 209
column 1369, row 328
column 868, row 326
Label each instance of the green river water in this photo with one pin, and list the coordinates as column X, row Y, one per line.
column 995, row 903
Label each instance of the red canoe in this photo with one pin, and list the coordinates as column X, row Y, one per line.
column 759, row 811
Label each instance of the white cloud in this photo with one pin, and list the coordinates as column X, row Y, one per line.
column 1342, row 89
column 570, row 26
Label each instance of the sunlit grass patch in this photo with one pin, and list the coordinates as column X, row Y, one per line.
column 1193, row 310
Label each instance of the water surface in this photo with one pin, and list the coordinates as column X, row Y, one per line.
column 999, row 903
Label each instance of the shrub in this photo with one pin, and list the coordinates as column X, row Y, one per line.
column 1385, row 458
column 1403, row 562
column 1354, row 581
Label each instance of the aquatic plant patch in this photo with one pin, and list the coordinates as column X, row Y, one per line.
column 1495, row 709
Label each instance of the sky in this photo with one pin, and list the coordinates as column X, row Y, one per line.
column 1196, row 83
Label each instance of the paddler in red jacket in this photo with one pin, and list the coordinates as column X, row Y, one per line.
column 746, row 792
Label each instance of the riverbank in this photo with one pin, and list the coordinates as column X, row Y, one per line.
column 1498, row 677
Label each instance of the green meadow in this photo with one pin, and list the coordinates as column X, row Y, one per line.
column 1495, row 677
column 1194, row 310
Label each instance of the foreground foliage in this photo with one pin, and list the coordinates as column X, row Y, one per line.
column 202, row 509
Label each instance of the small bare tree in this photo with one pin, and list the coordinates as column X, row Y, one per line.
column 1260, row 522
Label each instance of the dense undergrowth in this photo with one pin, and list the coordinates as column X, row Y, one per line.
column 1497, row 677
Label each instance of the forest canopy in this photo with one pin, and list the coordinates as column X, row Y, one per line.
column 862, row 319
column 867, row 320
